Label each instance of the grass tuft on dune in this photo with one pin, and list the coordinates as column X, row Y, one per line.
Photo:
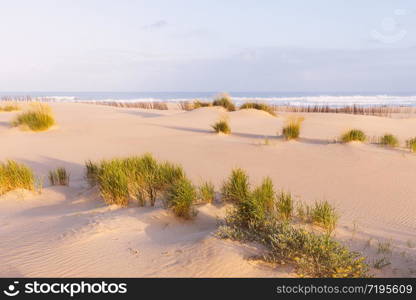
column 38, row 118
column 259, row 106
column 14, row 175
column 353, row 135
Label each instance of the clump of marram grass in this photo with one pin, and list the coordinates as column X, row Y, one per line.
column 225, row 101
column 222, row 126
column 38, row 118
column 411, row 144
column 206, row 192
column 259, row 106
column 236, row 187
column 324, row 215
column 138, row 178
column 91, row 172
column 292, row 126
column 284, row 205
column 59, row 177
column 389, row 140
column 14, row 175
column 9, row 106
column 353, row 135
column 180, row 197
column 199, row 104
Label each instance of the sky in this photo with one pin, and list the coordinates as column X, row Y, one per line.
column 208, row 45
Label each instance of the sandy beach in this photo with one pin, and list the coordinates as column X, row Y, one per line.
column 70, row 232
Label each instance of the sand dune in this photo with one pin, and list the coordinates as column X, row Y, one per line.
column 68, row 231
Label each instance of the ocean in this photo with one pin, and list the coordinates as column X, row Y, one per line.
column 279, row 98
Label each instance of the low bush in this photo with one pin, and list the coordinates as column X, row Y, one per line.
column 14, row 175
column 259, row 106
column 38, row 118
column 389, row 140
column 59, row 177
column 353, row 135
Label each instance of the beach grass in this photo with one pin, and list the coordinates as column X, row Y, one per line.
column 236, row 186
column 180, row 198
column 389, row 140
column 259, row 106
column 292, row 126
column 14, row 175
column 285, row 206
column 222, row 126
column 411, row 144
column 9, row 107
column 38, row 118
column 59, row 176
column 324, row 215
column 206, row 192
column 225, row 101
column 352, row 135
column 199, row 104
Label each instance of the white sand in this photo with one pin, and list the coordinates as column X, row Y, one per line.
column 68, row 231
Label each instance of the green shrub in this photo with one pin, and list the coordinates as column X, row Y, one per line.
column 15, row 176
column 411, row 144
column 207, row 192
column 324, row 215
column 389, row 140
column 59, row 177
column 180, row 198
column 225, row 101
column 353, row 135
column 38, row 118
column 259, row 106
column 291, row 129
column 284, row 205
column 236, row 187
column 222, row 126
column 312, row 254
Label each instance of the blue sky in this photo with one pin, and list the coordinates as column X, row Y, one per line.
column 183, row 45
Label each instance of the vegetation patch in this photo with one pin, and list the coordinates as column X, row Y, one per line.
column 259, row 216
column 291, row 129
column 38, row 118
column 353, row 135
column 389, row 140
column 59, row 177
column 141, row 179
column 225, row 101
column 222, row 126
column 14, row 175
column 206, row 192
column 8, row 107
column 411, row 144
column 259, row 106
